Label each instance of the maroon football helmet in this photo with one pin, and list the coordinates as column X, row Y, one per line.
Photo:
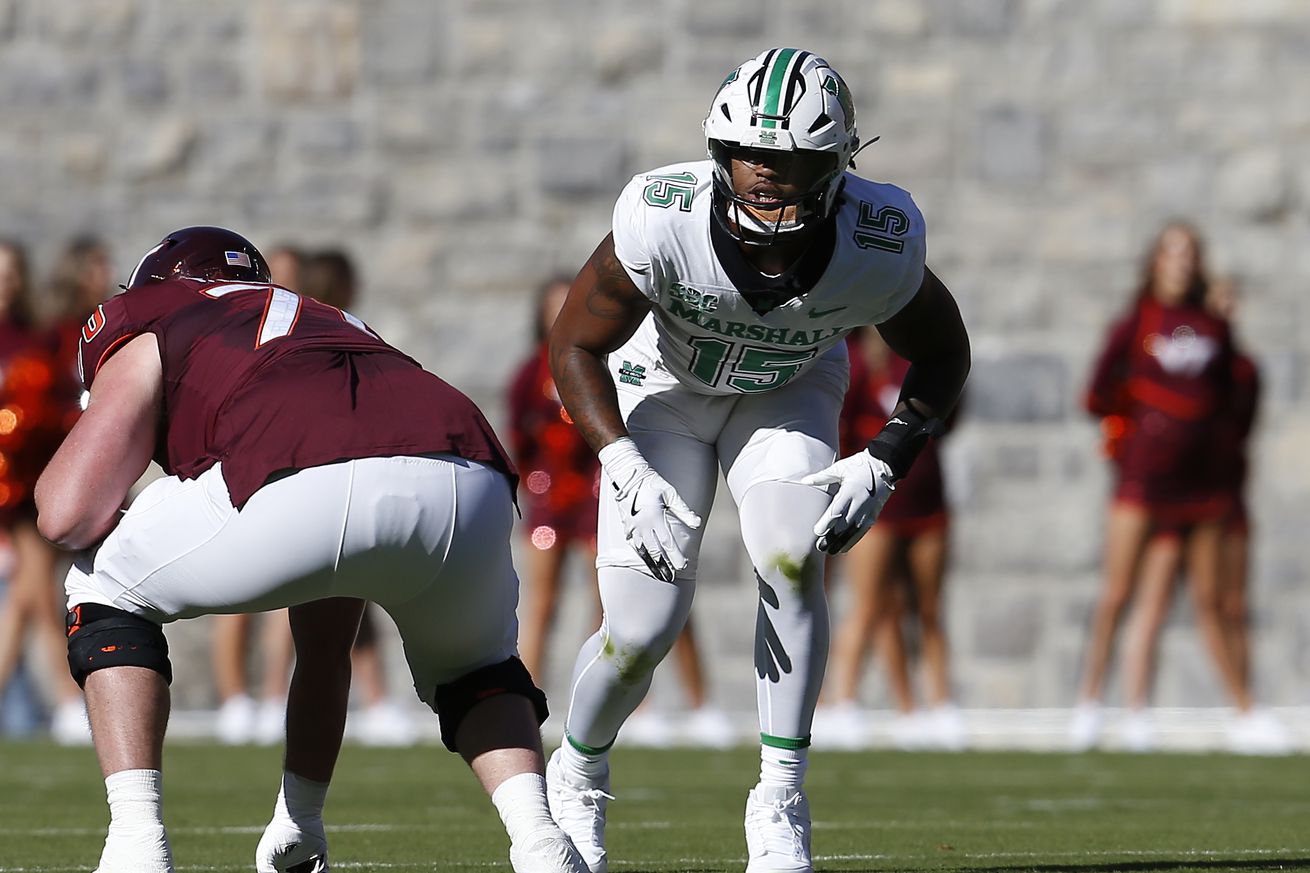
column 208, row 254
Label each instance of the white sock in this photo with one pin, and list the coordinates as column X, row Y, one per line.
column 783, row 767
column 580, row 766
column 521, row 802
column 136, row 838
column 300, row 799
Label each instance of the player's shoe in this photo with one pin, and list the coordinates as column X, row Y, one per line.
column 778, row 830
column 547, row 852
column 292, row 847
column 579, row 809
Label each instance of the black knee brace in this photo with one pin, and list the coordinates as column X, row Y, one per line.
column 455, row 699
column 101, row 636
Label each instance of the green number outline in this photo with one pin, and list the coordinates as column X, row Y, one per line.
column 666, row 189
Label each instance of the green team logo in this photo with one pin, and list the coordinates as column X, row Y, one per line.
column 632, row 374
column 833, row 84
column 700, row 301
column 732, row 77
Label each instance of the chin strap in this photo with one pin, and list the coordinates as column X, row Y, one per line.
column 861, row 148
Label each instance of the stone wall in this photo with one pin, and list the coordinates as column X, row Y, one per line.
column 464, row 149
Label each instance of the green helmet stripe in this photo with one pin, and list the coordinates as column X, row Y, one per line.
column 775, row 77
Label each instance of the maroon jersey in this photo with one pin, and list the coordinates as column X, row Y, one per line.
column 264, row 380
column 919, row 499
column 1167, row 372
column 560, row 471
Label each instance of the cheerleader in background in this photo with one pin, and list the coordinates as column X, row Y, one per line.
column 1164, row 379
column 1225, row 605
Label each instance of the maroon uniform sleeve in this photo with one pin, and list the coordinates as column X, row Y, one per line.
column 108, row 329
column 1106, row 390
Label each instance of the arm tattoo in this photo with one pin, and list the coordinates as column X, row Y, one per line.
column 602, row 302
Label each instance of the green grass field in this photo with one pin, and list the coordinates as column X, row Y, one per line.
column 420, row 809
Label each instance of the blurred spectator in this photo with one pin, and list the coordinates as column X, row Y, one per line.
column 242, row 719
column 1222, row 610
column 38, row 404
column 1162, row 387
column 329, row 276
column 895, row 574
column 284, row 262
column 561, row 481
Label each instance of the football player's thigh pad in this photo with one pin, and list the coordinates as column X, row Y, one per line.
column 786, row 434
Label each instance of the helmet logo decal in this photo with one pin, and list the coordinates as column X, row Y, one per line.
column 837, row 88
column 237, row 259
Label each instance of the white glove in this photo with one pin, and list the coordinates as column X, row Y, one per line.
column 645, row 503
column 863, row 485
column 292, row 847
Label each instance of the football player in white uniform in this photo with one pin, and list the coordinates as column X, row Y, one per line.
column 720, row 300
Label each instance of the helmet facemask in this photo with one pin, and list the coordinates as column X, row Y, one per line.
column 753, row 222
column 782, row 101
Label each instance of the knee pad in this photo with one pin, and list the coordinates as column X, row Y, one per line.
column 455, row 699
column 101, row 636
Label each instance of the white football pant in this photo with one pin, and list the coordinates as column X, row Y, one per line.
column 426, row 538
column 764, row 443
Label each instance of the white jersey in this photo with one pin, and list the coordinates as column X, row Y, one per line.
column 704, row 332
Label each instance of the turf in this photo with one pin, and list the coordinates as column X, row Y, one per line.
column 419, row 809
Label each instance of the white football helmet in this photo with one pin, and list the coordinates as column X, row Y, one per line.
column 789, row 100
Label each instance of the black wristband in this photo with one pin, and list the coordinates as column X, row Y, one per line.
column 902, row 438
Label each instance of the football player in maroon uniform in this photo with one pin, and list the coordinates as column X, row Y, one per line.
column 310, row 465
